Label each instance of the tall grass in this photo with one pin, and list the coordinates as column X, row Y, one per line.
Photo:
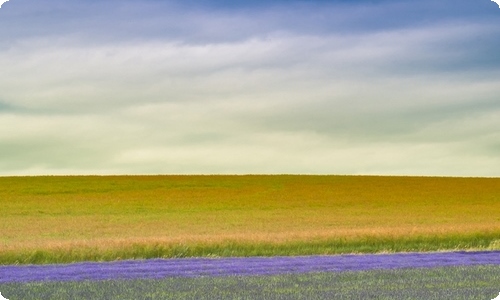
column 369, row 244
column 245, row 249
column 62, row 219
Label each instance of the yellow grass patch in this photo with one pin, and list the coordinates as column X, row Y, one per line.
column 105, row 213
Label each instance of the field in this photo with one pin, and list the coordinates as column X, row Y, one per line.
column 467, row 283
column 63, row 219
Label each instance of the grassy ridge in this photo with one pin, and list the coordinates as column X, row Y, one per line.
column 62, row 219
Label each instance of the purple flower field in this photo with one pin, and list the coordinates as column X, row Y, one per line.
column 196, row 267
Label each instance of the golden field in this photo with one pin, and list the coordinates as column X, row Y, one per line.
column 67, row 218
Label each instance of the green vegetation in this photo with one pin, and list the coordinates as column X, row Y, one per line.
column 62, row 219
column 244, row 249
column 478, row 282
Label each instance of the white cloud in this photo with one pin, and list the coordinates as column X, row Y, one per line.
column 282, row 101
column 2, row 2
column 68, row 74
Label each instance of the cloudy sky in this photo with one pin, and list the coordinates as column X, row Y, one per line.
column 238, row 87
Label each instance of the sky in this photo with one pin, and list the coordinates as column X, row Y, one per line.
column 379, row 87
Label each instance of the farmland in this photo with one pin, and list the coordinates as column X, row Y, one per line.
column 476, row 282
column 51, row 219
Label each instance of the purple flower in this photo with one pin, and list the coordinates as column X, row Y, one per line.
column 193, row 267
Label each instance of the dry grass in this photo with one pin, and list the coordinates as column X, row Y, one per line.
column 116, row 212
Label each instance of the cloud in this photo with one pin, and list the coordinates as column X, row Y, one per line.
column 306, row 89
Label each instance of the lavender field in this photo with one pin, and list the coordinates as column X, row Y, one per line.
column 195, row 267
column 472, row 282
column 447, row 275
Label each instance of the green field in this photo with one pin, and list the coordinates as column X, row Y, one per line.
column 51, row 219
column 467, row 283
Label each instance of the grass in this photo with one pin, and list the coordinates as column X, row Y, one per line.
column 51, row 219
column 477, row 282
column 238, row 249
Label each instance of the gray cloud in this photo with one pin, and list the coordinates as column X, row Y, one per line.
column 210, row 90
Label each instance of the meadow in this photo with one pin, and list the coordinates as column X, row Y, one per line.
column 468, row 283
column 56, row 219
